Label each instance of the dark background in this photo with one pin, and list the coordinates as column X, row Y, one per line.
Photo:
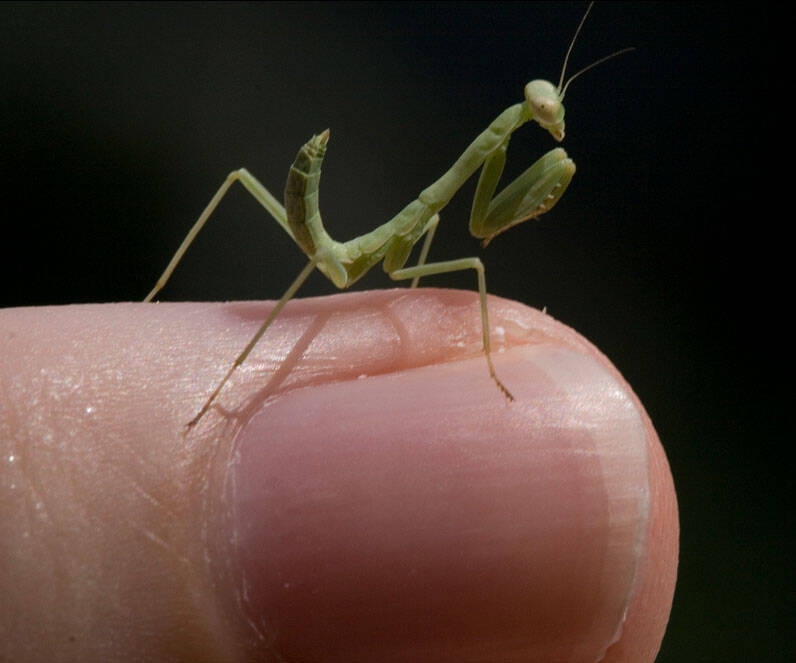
column 118, row 122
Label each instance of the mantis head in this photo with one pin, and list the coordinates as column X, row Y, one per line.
column 545, row 100
column 544, row 103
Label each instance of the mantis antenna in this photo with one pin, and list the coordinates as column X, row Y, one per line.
column 571, row 45
column 563, row 90
column 594, row 64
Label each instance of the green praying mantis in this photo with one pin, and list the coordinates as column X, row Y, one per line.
column 530, row 195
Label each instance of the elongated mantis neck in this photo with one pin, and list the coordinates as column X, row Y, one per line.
column 440, row 192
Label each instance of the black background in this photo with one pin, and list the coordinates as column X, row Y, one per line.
column 118, row 122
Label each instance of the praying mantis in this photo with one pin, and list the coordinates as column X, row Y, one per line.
column 530, row 195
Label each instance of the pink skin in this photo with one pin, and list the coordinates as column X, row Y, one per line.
column 362, row 493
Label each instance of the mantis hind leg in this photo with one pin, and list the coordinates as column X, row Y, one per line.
column 322, row 257
column 260, row 193
column 456, row 266
column 297, row 283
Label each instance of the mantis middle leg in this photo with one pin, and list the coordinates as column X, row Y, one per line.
column 456, row 266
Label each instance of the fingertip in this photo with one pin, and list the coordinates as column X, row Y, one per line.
column 405, row 508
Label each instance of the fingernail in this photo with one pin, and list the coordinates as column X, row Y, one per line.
column 418, row 516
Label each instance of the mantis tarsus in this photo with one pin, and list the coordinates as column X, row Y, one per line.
column 531, row 194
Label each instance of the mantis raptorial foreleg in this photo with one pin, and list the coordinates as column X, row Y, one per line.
column 531, row 194
column 528, row 196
